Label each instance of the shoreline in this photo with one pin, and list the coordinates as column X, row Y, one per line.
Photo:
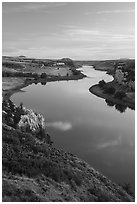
column 96, row 90
column 8, row 93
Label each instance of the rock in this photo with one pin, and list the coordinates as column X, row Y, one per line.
column 31, row 122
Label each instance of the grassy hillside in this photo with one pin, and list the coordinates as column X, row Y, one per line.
column 36, row 171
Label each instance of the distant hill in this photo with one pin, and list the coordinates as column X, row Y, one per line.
column 104, row 65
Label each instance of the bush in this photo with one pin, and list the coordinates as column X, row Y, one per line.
column 120, row 94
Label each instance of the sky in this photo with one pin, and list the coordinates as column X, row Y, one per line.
column 76, row 30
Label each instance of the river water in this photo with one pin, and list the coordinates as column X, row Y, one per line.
column 85, row 125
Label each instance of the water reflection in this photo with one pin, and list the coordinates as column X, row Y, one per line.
column 119, row 107
column 60, row 125
column 43, row 82
column 109, row 102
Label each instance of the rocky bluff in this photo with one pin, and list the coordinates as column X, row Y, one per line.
column 25, row 120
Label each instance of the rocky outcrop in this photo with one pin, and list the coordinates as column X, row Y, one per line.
column 31, row 122
column 25, row 120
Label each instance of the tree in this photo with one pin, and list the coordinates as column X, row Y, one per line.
column 43, row 75
column 102, row 83
column 12, row 106
column 21, row 105
column 131, row 75
column 16, row 119
column 4, row 104
column 68, row 62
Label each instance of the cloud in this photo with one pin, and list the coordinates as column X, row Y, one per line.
column 63, row 126
column 115, row 11
column 108, row 144
column 78, row 31
column 72, row 41
column 16, row 7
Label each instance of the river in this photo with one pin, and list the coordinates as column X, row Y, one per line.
column 85, row 125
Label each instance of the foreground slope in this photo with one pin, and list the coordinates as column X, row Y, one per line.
column 36, row 171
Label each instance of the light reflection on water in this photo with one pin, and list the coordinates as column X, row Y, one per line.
column 84, row 124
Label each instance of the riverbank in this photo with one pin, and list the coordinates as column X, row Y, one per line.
column 13, row 88
column 24, row 82
column 20, row 72
column 96, row 90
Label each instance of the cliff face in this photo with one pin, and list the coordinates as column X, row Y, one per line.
column 35, row 171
